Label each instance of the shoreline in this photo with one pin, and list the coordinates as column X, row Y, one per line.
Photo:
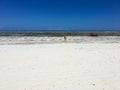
column 51, row 40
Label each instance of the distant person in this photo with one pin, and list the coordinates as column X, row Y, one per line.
column 65, row 38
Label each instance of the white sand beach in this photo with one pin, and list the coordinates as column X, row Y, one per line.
column 93, row 65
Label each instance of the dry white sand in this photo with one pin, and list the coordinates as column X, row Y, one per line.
column 61, row 66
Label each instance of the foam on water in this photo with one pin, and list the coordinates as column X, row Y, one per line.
column 70, row 39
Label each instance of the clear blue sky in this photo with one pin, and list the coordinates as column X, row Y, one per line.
column 60, row 14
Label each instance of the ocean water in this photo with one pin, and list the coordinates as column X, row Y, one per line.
column 74, row 30
column 70, row 39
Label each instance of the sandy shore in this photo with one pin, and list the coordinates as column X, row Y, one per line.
column 60, row 66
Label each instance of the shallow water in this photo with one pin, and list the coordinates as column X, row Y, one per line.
column 70, row 39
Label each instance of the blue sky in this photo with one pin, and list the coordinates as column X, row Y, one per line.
column 60, row 14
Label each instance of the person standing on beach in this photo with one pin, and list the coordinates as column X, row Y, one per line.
column 65, row 38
